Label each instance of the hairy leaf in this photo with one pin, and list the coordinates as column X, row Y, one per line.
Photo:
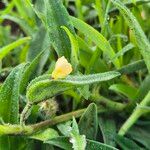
column 97, row 146
column 78, row 141
column 30, row 72
column 9, row 95
column 54, row 15
column 45, row 135
column 44, row 87
column 61, row 142
column 9, row 102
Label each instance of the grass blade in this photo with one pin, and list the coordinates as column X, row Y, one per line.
column 6, row 49
column 96, row 38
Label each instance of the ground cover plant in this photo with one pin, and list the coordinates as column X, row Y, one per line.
column 74, row 74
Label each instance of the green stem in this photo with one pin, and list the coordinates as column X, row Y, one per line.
column 25, row 113
column 58, row 119
column 8, row 129
column 138, row 112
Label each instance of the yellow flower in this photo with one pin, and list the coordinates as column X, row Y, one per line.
column 62, row 68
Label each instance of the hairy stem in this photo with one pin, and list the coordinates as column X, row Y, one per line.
column 25, row 113
column 8, row 129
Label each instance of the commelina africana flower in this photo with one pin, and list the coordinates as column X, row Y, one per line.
column 62, row 68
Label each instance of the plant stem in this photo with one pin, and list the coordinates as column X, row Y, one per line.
column 25, row 113
column 8, row 129
column 135, row 115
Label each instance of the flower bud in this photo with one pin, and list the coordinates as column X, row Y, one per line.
column 48, row 108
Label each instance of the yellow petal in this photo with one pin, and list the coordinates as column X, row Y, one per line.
column 62, row 68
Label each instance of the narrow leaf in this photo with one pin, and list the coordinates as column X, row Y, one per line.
column 44, row 87
column 141, row 39
column 130, row 68
column 97, row 38
column 74, row 47
column 123, row 51
column 6, row 49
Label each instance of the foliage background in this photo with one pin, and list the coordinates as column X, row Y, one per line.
column 107, row 43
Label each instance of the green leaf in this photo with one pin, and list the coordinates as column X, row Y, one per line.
column 30, row 72
column 84, row 91
column 126, row 144
column 44, row 87
column 74, row 48
column 54, row 15
column 142, row 136
column 141, row 39
column 108, row 128
column 6, row 49
column 45, row 135
column 40, row 42
column 88, row 122
column 143, row 89
column 78, row 141
column 9, row 95
column 94, row 145
column 96, row 38
column 65, row 128
column 126, row 90
column 21, row 22
column 61, row 142
column 123, row 51
column 130, row 68
column 129, row 4
column 9, row 102
column 85, row 52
